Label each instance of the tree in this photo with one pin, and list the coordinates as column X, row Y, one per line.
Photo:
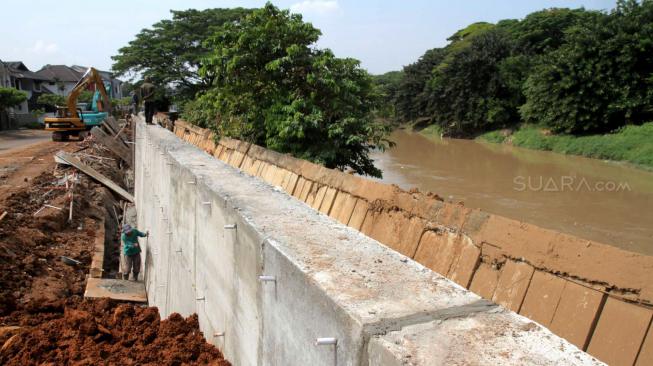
column 387, row 85
column 601, row 78
column 10, row 97
column 411, row 98
column 468, row 95
column 51, row 101
column 273, row 87
column 171, row 51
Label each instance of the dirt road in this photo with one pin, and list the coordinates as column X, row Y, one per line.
column 19, row 165
column 21, row 138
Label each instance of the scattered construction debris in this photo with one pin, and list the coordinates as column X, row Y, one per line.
column 118, row 147
column 50, row 259
column 72, row 160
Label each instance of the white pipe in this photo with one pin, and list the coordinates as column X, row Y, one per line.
column 267, row 278
column 326, row 341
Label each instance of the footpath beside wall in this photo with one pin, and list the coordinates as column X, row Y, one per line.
column 596, row 296
column 268, row 276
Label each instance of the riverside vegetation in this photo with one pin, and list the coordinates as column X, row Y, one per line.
column 256, row 75
column 568, row 80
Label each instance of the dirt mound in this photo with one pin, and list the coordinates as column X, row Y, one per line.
column 106, row 332
column 30, row 248
column 43, row 318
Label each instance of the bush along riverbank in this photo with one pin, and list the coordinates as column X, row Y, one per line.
column 633, row 144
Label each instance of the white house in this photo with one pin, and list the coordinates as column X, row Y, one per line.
column 62, row 79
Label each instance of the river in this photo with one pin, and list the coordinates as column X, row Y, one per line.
column 603, row 201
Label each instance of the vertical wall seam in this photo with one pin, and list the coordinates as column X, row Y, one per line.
column 595, row 322
column 641, row 345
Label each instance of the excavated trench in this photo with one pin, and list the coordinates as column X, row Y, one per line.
column 44, row 317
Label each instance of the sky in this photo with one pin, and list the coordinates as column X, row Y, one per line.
column 383, row 35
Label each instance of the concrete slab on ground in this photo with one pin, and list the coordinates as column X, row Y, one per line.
column 115, row 289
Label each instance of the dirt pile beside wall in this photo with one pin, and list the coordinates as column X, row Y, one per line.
column 43, row 317
column 106, row 332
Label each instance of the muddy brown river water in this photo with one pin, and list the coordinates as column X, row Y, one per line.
column 608, row 202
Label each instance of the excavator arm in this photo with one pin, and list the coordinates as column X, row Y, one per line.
column 91, row 77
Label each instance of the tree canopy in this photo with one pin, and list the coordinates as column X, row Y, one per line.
column 10, row 97
column 273, row 87
column 570, row 70
column 171, row 51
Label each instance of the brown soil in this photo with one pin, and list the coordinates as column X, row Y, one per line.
column 43, row 318
column 109, row 333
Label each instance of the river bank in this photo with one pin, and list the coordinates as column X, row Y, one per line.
column 631, row 144
column 589, row 198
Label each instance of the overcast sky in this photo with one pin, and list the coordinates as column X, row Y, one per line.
column 384, row 35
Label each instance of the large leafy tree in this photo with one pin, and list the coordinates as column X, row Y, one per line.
column 469, row 94
column 411, row 98
column 272, row 86
column 601, row 78
column 171, row 51
column 388, row 86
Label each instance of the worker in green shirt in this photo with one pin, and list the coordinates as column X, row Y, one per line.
column 132, row 251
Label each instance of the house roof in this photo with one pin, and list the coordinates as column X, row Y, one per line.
column 60, row 73
column 18, row 70
column 105, row 75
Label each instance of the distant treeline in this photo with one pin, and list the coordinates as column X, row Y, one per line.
column 571, row 71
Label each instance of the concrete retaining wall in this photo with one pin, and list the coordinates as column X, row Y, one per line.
column 560, row 281
column 214, row 231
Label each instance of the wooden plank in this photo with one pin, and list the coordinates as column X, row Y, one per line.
column 115, row 146
column 115, row 126
column 70, row 159
column 115, row 289
column 108, row 128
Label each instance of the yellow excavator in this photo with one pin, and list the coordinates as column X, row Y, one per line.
column 70, row 120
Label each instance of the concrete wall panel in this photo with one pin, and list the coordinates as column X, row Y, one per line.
column 485, row 280
column 329, row 281
column 513, row 283
column 542, row 297
column 576, row 313
column 620, row 332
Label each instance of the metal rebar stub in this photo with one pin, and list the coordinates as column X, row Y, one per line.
column 329, row 341
column 218, row 334
column 200, row 298
column 267, row 278
column 230, row 226
column 178, row 251
column 207, row 203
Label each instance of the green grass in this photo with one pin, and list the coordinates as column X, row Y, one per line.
column 433, row 131
column 633, row 144
column 496, row 137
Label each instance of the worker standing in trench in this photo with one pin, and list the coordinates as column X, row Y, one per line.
column 147, row 94
column 132, row 251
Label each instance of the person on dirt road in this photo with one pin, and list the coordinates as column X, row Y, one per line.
column 132, row 251
column 147, row 95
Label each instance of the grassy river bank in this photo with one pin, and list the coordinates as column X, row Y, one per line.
column 632, row 144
